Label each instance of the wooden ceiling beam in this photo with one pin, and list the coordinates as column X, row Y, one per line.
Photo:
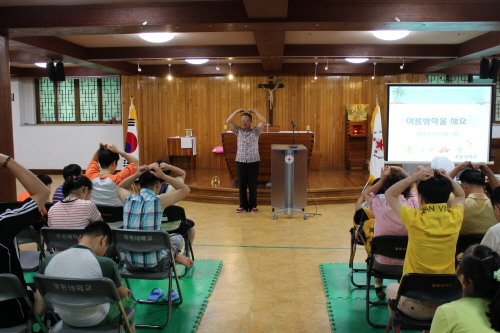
column 265, row 9
column 68, row 71
column 20, row 57
column 485, row 45
column 59, row 49
column 214, row 16
column 159, row 52
column 270, row 44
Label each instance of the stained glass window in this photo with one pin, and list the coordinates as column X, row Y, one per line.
column 94, row 100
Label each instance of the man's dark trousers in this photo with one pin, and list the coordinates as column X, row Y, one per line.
column 247, row 177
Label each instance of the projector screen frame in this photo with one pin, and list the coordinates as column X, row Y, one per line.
column 492, row 114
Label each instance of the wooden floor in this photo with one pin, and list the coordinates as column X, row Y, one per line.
column 325, row 187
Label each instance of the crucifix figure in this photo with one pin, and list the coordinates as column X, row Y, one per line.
column 270, row 88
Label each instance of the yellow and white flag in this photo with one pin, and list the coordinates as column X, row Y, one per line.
column 132, row 141
column 377, row 155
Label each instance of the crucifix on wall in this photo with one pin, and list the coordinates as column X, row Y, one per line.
column 270, row 88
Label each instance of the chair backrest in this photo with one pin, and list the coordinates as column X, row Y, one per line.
column 76, row 292
column 111, row 213
column 4, row 205
column 174, row 213
column 390, row 246
column 464, row 241
column 431, row 287
column 11, row 287
column 61, row 238
column 49, row 205
column 28, row 235
column 141, row 241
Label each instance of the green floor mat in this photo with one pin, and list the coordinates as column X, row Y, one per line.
column 346, row 304
column 337, row 282
column 196, row 287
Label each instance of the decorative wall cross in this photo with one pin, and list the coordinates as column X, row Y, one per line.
column 270, row 88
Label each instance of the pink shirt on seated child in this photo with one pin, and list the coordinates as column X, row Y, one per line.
column 388, row 223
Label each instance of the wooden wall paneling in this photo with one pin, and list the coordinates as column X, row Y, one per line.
column 166, row 108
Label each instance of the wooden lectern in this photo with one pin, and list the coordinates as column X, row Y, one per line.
column 184, row 158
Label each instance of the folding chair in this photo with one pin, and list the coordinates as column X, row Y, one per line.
column 441, row 288
column 82, row 292
column 11, row 288
column 144, row 241
column 389, row 246
column 112, row 215
column 58, row 239
column 177, row 213
column 4, row 205
column 30, row 260
column 361, row 217
column 464, row 241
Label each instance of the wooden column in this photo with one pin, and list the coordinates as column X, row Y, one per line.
column 7, row 180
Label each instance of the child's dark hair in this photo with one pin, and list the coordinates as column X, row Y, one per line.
column 163, row 161
column 436, row 189
column 73, row 183
column 148, row 180
column 72, row 170
column 107, row 157
column 472, row 177
column 375, row 182
column 488, row 189
column 478, row 266
column 394, row 177
column 97, row 229
column 45, row 179
column 247, row 114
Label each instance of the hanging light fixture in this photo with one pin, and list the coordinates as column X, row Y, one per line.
column 217, row 67
column 356, row 60
column 374, row 64
column 157, row 37
column 390, row 34
column 326, row 67
column 169, row 77
column 230, row 76
column 196, row 61
column 403, row 65
column 315, row 66
column 138, row 67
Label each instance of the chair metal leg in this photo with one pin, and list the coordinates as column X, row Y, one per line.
column 368, row 302
column 170, row 303
column 189, row 250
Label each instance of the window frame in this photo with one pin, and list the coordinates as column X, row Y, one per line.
column 77, row 103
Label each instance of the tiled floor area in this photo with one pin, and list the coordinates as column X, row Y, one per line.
column 270, row 281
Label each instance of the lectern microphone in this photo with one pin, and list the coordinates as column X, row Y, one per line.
column 292, row 123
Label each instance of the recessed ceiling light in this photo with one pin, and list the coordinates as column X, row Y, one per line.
column 390, row 34
column 356, row 60
column 196, row 61
column 41, row 64
column 157, row 37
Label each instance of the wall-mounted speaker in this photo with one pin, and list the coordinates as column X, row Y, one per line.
column 495, row 65
column 51, row 70
column 60, row 71
column 484, row 67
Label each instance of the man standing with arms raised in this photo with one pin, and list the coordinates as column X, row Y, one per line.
column 247, row 157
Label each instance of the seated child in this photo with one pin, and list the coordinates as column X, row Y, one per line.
column 478, row 212
column 75, row 210
column 69, row 170
column 432, row 231
column 102, row 174
column 479, row 308
column 386, row 221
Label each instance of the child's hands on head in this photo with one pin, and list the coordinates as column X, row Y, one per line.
column 425, row 174
column 385, row 172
